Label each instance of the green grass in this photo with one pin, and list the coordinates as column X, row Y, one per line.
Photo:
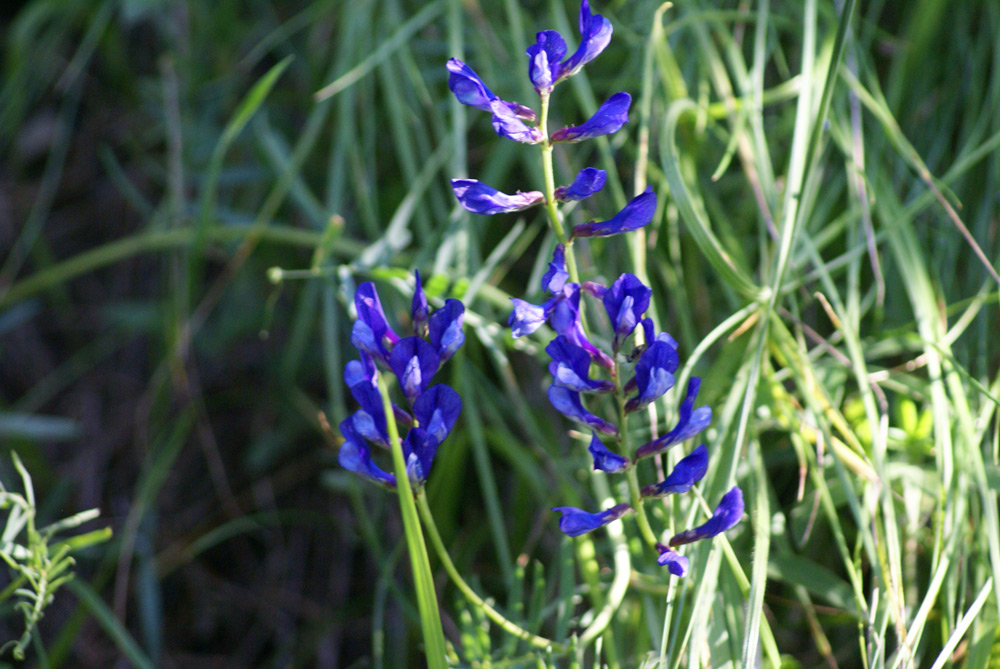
column 822, row 253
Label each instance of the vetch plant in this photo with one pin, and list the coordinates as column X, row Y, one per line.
column 637, row 369
column 652, row 358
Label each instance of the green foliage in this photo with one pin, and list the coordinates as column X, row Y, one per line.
column 39, row 563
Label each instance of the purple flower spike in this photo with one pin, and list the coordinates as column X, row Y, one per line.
column 528, row 317
column 556, row 276
column 626, row 301
column 355, row 456
column 688, row 471
column 436, row 410
column 605, row 460
column 371, row 332
column 570, row 367
column 470, row 90
column 567, row 402
column 544, row 58
column 691, row 422
column 414, row 362
column 587, row 182
column 654, row 374
column 418, row 308
column 566, row 321
column 446, row 329
column 507, row 124
column 637, row 213
column 575, row 522
column 675, row 563
column 608, row 119
column 726, row 515
column 479, row 198
column 595, row 34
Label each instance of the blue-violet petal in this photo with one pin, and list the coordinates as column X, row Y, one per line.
column 637, row 213
column 608, row 119
column 587, row 182
column 605, row 460
column 575, row 522
column 686, row 473
column 726, row 515
column 479, row 198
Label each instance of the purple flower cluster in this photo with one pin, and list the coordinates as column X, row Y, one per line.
column 656, row 361
column 413, row 360
column 547, row 66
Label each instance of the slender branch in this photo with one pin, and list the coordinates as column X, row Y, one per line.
column 624, row 447
column 550, row 191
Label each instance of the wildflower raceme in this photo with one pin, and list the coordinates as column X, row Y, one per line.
column 432, row 409
column 640, row 365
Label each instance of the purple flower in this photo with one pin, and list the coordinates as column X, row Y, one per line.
column 570, row 367
column 544, row 58
column 726, row 515
column 556, row 276
column 369, row 420
column 470, row 90
column 414, row 362
column 528, row 317
column 419, row 449
column 605, row 460
column 467, row 86
column 691, row 422
column 418, row 307
column 446, row 333
column 565, row 317
column 508, row 124
column 654, row 374
column 479, row 198
column 436, row 410
column 675, row 563
column 595, row 34
column 626, row 301
column 575, row 522
column 608, row 119
column 371, row 332
column 355, row 456
column 587, row 182
column 637, row 213
column 688, row 471
column 361, row 371
column 567, row 402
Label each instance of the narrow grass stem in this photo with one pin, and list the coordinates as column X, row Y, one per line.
column 423, row 580
column 506, row 625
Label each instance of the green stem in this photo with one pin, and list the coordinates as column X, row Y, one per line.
column 510, row 627
column 550, row 191
column 430, row 618
column 624, row 447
